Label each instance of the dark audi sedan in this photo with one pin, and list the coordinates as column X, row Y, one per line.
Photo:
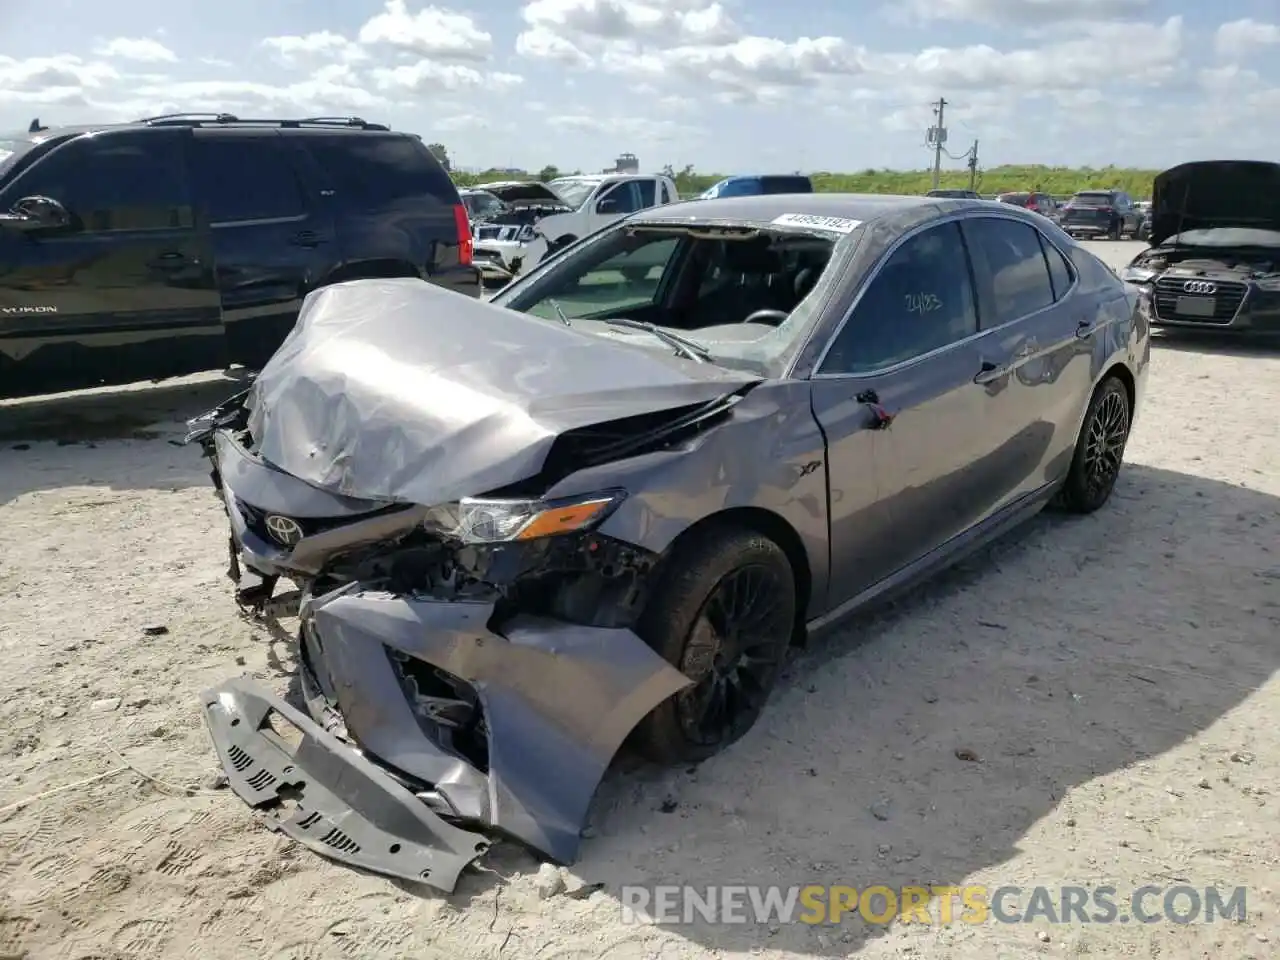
column 604, row 505
column 1214, row 261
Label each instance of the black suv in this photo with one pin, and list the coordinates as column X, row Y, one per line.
column 1101, row 213
column 184, row 243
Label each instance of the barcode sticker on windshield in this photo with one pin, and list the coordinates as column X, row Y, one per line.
column 834, row 224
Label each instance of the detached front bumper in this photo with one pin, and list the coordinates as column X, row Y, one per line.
column 556, row 700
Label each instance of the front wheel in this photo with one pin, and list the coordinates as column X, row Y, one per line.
column 1099, row 449
column 722, row 613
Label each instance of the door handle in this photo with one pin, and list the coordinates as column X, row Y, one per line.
column 306, row 238
column 990, row 372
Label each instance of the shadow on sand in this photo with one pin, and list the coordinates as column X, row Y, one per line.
column 134, row 433
column 920, row 744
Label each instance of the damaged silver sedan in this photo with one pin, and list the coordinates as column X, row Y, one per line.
column 602, row 507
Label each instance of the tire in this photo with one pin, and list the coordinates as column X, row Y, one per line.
column 1109, row 416
column 1117, row 230
column 692, row 591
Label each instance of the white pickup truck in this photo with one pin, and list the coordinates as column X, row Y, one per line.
column 562, row 211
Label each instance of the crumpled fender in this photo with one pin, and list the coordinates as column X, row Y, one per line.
column 559, row 699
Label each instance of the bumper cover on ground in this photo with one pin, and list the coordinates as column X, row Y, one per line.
column 327, row 796
column 558, row 700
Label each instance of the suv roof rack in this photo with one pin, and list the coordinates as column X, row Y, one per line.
column 197, row 119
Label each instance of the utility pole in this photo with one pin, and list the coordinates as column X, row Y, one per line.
column 973, row 166
column 937, row 136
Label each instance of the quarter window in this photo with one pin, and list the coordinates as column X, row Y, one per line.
column 118, row 182
column 1020, row 282
column 648, row 193
column 1060, row 271
column 920, row 300
column 378, row 170
column 245, row 178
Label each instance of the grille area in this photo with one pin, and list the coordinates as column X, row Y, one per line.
column 1226, row 300
column 256, row 520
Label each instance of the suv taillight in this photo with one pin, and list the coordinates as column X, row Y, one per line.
column 466, row 243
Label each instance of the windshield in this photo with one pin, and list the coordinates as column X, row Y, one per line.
column 482, row 204
column 10, row 152
column 700, row 282
column 1092, row 200
column 1224, row 237
column 574, row 192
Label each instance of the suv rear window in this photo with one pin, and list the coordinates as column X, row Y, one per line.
column 378, row 170
column 1019, row 198
column 1093, row 199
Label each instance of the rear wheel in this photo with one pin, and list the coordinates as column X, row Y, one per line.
column 722, row 613
column 1117, row 230
column 1099, row 449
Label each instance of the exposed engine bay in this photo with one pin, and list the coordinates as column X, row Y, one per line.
column 1245, row 264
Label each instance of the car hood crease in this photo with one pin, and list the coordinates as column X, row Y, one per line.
column 1215, row 194
column 397, row 390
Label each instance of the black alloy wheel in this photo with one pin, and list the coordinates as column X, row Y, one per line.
column 722, row 613
column 1099, row 449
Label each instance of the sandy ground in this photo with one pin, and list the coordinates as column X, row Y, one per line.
column 1114, row 676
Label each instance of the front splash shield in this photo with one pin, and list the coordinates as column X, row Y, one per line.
column 559, row 699
column 319, row 791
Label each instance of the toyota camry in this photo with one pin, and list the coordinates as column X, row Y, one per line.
column 603, row 506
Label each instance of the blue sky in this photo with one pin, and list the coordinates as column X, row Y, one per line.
column 729, row 86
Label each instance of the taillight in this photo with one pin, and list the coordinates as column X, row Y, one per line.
column 1031, row 204
column 466, row 243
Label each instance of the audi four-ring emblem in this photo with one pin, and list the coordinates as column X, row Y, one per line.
column 1199, row 286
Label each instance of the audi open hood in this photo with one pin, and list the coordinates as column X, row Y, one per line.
column 398, row 390
column 1213, row 194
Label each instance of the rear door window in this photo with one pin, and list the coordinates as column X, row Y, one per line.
column 1020, row 282
column 376, row 170
column 117, row 182
column 648, row 193
column 245, row 177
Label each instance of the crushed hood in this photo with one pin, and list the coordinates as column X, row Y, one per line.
column 400, row 390
column 1215, row 193
column 530, row 192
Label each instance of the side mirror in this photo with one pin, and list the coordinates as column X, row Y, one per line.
column 36, row 213
column 607, row 205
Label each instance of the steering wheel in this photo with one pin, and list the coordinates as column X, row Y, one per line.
column 767, row 315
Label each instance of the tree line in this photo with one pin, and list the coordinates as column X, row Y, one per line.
column 1002, row 179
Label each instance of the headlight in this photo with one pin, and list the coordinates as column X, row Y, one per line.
column 1139, row 274
column 475, row 520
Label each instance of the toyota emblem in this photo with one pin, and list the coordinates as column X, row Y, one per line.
column 284, row 530
column 1200, row 286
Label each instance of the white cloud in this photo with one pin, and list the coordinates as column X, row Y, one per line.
column 62, row 80
column 432, row 32
column 321, row 45
column 430, row 75
column 141, row 49
column 666, row 21
column 1242, row 38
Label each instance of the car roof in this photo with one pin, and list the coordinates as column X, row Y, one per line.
column 760, row 210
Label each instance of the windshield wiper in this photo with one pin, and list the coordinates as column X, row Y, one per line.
column 689, row 348
column 560, row 314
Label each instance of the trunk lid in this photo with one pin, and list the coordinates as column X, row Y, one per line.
column 397, row 390
column 1213, row 194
